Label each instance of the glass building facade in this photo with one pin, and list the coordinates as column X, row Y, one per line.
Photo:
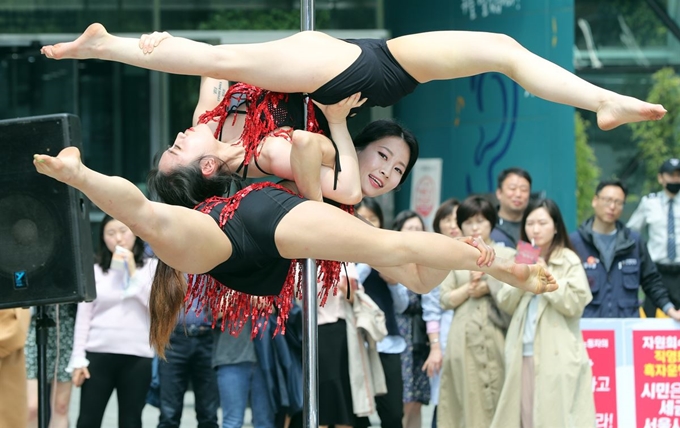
column 129, row 114
column 619, row 44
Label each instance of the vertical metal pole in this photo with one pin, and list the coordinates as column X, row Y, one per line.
column 159, row 102
column 310, row 346
column 310, row 332
column 306, row 15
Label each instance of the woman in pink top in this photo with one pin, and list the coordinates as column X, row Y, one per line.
column 111, row 345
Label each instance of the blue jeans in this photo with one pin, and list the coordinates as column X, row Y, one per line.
column 236, row 383
column 188, row 358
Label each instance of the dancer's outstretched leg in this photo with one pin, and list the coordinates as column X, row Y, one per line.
column 299, row 63
column 307, row 60
column 447, row 55
column 183, row 238
column 316, row 230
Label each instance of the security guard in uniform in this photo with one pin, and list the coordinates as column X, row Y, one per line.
column 659, row 214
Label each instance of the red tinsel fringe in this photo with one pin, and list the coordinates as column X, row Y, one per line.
column 237, row 307
column 260, row 121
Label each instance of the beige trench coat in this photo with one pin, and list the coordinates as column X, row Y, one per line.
column 13, row 400
column 365, row 327
column 563, row 395
column 473, row 366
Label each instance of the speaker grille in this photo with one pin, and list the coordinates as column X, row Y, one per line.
column 28, row 234
column 45, row 242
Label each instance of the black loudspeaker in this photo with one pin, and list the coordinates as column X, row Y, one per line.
column 45, row 241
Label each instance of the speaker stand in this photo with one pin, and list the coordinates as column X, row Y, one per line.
column 42, row 323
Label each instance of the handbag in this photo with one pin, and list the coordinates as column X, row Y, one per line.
column 421, row 341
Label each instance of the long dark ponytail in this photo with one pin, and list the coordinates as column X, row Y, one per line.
column 167, row 296
column 185, row 186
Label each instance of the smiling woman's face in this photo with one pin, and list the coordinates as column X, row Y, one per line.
column 188, row 146
column 382, row 164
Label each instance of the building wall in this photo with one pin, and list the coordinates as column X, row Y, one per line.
column 483, row 124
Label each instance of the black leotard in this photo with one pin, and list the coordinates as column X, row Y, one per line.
column 255, row 266
column 375, row 73
column 255, row 280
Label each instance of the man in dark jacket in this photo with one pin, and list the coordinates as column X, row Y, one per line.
column 616, row 260
column 513, row 192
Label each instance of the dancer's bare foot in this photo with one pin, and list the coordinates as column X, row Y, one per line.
column 84, row 47
column 623, row 109
column 66, row 167
column 533, row 278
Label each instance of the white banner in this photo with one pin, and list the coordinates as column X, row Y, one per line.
column 426, row 186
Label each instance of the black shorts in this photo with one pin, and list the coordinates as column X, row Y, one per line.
column 255, row 266
column 375, row 73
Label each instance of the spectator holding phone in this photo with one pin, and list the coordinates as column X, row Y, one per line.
column 546, row 359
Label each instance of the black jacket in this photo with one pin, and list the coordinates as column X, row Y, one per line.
column 615, row 287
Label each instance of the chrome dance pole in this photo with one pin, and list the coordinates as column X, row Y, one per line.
column 310, row 366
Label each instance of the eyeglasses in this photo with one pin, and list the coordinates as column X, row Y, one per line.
column 618, row 203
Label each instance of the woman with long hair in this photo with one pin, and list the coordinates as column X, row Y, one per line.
column 247, row 242
column 111, row 343
column 258, row 133
column 383, row 71
column 546, row 359
column 384, row 154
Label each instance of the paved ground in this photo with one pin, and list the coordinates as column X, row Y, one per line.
column 150, row 415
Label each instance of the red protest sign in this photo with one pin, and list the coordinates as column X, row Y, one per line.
column 601, row 347
column 656, row 363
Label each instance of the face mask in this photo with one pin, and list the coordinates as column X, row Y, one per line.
column 674, row 188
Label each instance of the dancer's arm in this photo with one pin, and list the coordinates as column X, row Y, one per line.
column 348, row 185
column 311, row 162
column 210, row 94
column 319, row 176
column 187, row 240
